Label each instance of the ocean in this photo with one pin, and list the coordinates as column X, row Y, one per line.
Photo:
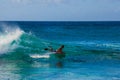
column 92, row 50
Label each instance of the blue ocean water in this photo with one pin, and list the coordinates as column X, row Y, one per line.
column 92, row 50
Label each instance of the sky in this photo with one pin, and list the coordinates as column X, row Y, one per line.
column 59, row 10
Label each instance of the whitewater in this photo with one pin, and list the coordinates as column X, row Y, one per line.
column 7, row 37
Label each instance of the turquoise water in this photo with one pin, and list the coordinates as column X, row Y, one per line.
column 92, row 50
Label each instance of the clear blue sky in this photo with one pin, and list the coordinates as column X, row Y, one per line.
column 60, row 10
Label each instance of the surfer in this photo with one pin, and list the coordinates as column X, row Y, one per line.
column 58, row 51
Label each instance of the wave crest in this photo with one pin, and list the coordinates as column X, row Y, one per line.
column 9, row 37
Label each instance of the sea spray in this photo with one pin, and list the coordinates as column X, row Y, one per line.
column 9, row 37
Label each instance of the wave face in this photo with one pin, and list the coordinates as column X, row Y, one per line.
column 17, row 44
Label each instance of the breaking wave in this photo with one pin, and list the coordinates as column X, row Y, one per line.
column 9, row 38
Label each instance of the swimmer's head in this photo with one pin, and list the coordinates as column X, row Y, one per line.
column 46, row 49
column 62, row 46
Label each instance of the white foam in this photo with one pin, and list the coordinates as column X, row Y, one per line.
column 39, row 56
column 8, row 35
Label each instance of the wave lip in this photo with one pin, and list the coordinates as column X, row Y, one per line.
column 9, row 38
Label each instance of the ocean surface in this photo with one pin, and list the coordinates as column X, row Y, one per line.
column 92, row 50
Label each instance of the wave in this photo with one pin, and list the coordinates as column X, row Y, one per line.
column 8, row 36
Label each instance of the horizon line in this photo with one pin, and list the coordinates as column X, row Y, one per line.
column 53, row 21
